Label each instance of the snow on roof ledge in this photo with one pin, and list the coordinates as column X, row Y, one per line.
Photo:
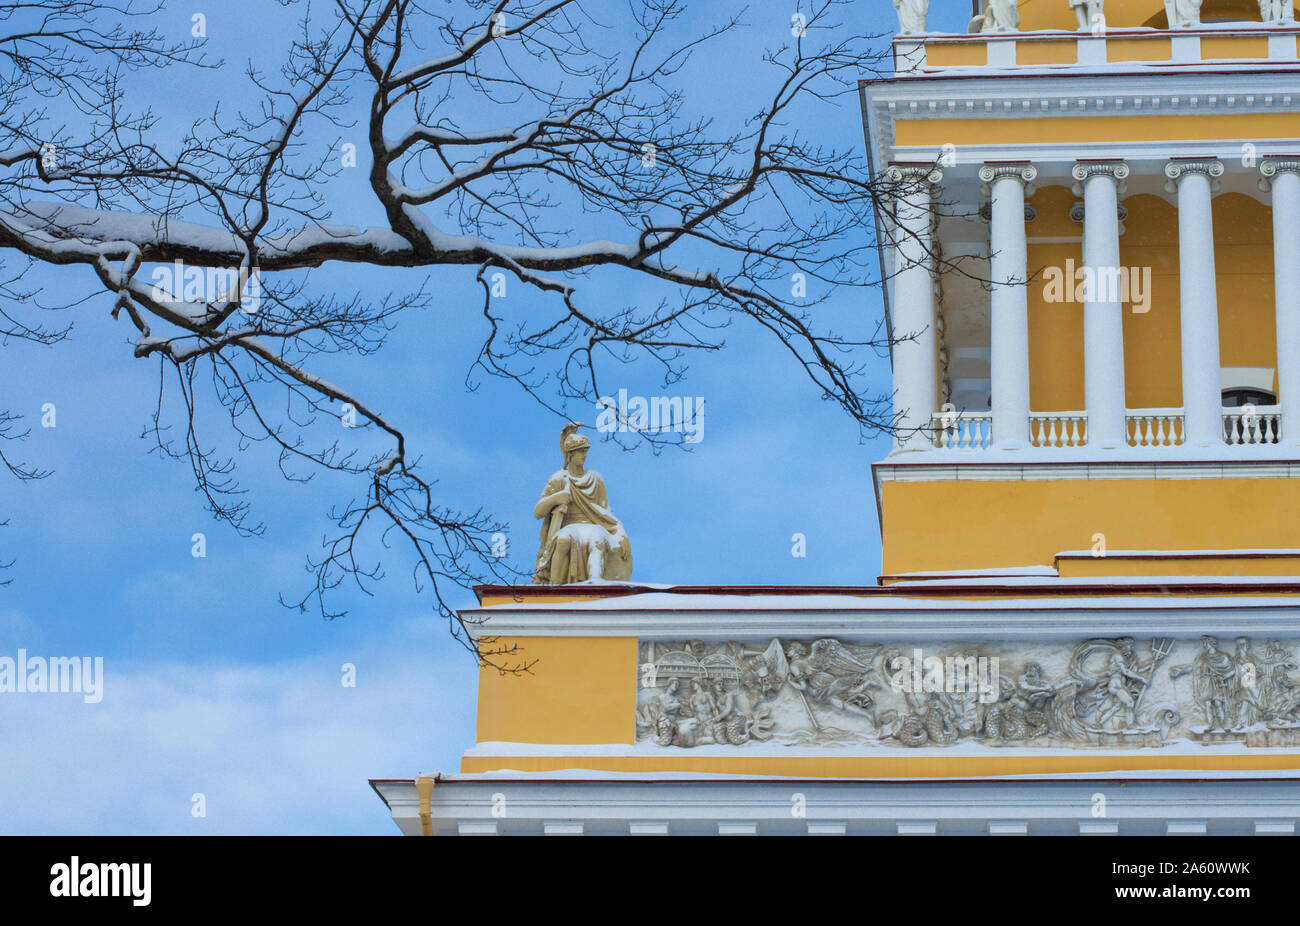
column 1175, row 554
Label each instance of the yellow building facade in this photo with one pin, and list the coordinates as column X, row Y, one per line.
column 1091, row 254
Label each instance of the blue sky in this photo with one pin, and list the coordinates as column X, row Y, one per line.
column 211, row 686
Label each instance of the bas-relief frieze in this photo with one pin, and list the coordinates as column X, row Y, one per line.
column 1117, row 693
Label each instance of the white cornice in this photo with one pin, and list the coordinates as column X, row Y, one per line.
column 909, row 619
column 662, row 803
column 1011, row 94
column 1080, row 463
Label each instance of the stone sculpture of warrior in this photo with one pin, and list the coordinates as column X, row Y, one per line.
column 999, row 16
column 911, row 15
column 1213, row 677
column 1088, row 12
column 1183, row 12
column 1272, row 11
column 581, row 540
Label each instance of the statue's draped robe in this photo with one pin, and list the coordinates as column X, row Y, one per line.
column 589, row 527
column 1182, row 12
column 1001, row 15
column 911, row 14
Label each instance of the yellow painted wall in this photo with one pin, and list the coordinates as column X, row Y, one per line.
column 1243, row 265
column 1233, row 46
column 1118, row 565
column 1152, row 350
column 1047, row 14
column 970, row 524
column 489, row 599
column 1155, row 48
column 581, row 690
column 1055, row 328
column 1057, row 51
column 956, row 54
column 1126, row 14
column 1064, row 129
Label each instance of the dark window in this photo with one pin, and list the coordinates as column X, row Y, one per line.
column 1236, row 398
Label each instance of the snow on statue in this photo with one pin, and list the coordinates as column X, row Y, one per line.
column 911, row 15
column 1183, row 12
column 581, row 539
column 1088, row 12
column 1272, row 11
column 998, row 16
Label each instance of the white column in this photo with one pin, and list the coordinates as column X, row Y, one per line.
column 1199, row 309
column 1103, row 312
column 916, row 344
column 1009, row 303
column 1283, row 174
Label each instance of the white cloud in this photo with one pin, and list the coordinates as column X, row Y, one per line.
column 278, row 747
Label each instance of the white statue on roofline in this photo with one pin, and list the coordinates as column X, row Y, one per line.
column 1183, row 13
column 1275, row 11
column 998, row 16
column 581, row 540
column 911, row 15
column 1089, row 13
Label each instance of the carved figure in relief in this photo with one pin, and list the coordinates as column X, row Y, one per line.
column 1120, row 701
column 824, row 692
column 703, row 706
column 1213, row 683
column 1246, row 683
column 828, row 673
column 665, row 714
column 739, row 719
column 1280, row 698
column 1012, row 717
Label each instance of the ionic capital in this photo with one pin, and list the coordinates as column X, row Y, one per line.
column 1083, row 170
column 1177, row 170
column 1017, row 170
column 1272, row 165
column 914, row 174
